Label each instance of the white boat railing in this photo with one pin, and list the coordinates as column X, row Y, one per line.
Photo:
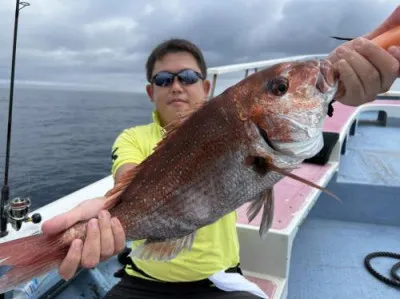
column 391, row 94
column 257, row 65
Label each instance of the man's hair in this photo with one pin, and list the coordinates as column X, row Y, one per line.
column 175, row 45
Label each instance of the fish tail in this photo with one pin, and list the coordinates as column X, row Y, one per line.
column 26, row 258
column 300, row 179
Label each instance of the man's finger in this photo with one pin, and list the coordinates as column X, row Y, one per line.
column 71, row 262
column 368, row 75
column 84, row 211
column 385, row 63
column 62, row 221
column 106, row 235
column 395, row 51
column 119, row 235
column 91, row 247
column 350, row 81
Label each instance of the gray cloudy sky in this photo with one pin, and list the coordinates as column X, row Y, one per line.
column 105, row 43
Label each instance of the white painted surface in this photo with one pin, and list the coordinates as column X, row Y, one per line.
column 259, row 64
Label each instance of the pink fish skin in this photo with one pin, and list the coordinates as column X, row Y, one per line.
column 230, row 151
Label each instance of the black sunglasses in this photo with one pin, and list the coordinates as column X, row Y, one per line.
column 186, row 76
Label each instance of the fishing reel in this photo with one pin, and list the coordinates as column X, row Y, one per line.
column 17, row 212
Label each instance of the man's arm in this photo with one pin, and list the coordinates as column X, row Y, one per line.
column 124, row 168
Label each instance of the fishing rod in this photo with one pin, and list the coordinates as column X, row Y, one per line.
column 342, row 38
column 16, row 211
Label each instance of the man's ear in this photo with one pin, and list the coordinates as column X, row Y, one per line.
column 206, row 86
column 149, row 90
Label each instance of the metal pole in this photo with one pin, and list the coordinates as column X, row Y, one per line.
column 5, row 191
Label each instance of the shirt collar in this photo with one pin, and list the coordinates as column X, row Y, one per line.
column 157, row 121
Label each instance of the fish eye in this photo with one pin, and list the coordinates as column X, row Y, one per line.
column 278, row 86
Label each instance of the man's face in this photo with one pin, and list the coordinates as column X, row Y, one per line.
column 177, row 97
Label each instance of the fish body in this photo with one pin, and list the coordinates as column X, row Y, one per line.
column 214, row 156
column 230, row 151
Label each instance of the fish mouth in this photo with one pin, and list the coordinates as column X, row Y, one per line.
column 265, row 137
column 299, row 148
column 328, row 80
column 302, row 149
column 326, row 77
column 327, row 84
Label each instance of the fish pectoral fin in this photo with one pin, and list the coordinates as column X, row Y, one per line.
column 264, row 200
column 163, row 250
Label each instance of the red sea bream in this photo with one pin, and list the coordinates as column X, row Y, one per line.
column 230, row 151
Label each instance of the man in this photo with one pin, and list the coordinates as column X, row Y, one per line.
column 365, row 71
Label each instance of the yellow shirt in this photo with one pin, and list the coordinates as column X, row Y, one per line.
column 215, row 247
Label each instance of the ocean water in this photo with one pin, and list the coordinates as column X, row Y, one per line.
column 61, row 139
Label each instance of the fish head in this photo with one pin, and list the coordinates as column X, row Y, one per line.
column 289, row 103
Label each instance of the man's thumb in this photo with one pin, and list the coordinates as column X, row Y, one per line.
column 84, row 211
column 61, row 222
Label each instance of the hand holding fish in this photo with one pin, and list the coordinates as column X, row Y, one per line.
column 105, row 236
column 370, row 64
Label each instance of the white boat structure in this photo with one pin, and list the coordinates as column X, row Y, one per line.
column 317, row 246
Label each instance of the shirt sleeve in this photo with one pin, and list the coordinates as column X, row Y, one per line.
column 126, row 149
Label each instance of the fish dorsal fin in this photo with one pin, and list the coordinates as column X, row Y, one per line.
column 182, row 117
column 113, row 194
column 171, row 128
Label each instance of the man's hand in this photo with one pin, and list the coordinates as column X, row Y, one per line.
column 105, row 236
column 366, row 69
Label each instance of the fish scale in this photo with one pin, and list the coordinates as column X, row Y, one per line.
column 188, row 198
column 192, row 199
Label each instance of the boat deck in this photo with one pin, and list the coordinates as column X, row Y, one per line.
column 330, row 247
column 328, row 260
column 373, row 155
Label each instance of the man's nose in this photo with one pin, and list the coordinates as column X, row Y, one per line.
column 176, row 85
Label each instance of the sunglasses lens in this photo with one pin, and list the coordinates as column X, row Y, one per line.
column 184, row 76
column 163, row 79
column 188, row 77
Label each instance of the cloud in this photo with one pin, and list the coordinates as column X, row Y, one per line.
column 105, row 43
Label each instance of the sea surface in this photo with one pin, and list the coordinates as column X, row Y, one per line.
column 61, row 139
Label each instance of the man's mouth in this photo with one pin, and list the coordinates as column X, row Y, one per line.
column 173, row 101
